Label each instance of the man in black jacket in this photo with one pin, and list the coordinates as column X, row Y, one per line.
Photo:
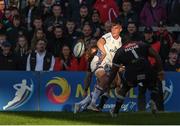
column 8, row 61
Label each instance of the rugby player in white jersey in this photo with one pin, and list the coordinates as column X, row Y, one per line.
column 102, row 61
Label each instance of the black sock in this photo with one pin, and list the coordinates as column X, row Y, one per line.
column 103, row 100
column 119, row 102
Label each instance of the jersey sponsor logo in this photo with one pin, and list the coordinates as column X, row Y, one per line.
column 131, row 48
column 23, row 93
column 58, row 90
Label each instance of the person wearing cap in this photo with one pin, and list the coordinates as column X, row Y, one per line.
column 8, row 60
column 165, row 39
column 40, row 59
column 151, row 39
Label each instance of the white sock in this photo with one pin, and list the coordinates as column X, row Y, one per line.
column 86, row 100
column 96, row 93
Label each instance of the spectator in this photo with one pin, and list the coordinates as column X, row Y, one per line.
column 165, row 39
column 96, row 23
column 108, row 9
column 72, row 35
column 40, row 59
column 16, row 30
column 46, row 7
column 138, row 5
column 21, row 52
column 38, row 34
column 65, row 8
column 8, row 60
column 84, row 16
column 29, row 12
column 2, row 5
column 151, row 39
column 132, row 31
column 56, row 42
column 107, row 27
column 6, row 20
column 176, row 45
column 14, row 11
column 7, row 14
column 37, row 24
column 87, row 32
column 173, row 10
column 74, row 8
column 57, row 18
column 92, row 42
column 152, row 13
column 127, row 14
column 172, row 62
column 66, row 61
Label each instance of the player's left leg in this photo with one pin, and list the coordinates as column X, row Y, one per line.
column 104, row 97
column 116, row 85
column 153, row 87
column 120, row 99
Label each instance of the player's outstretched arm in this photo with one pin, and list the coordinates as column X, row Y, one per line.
column 100, row 44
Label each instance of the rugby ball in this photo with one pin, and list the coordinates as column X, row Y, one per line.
column 79, row 49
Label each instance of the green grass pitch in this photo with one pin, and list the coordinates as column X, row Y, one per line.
column 59, row 118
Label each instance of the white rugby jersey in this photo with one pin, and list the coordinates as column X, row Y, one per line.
column 111, row 46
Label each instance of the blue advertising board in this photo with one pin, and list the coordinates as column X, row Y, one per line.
column 58, row 91
column 18, row 91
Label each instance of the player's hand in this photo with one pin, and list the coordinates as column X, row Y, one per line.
column 161, row 75
column 121, row 68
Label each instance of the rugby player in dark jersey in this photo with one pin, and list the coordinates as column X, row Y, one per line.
column 134, row 56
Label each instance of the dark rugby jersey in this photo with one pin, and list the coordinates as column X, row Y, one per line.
column 134, row 56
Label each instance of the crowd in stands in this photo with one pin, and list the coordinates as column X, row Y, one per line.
column 40, row 35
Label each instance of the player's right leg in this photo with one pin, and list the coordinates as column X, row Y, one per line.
column 82, row 104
